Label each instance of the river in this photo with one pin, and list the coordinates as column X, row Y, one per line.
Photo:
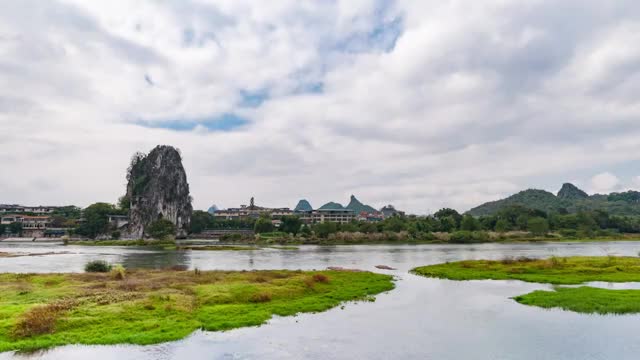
column 421, row 319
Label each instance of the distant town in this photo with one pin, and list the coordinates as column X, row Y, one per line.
column 55, row 221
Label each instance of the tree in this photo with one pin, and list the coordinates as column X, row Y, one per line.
column 394, row 224
column 96, row 220
column 161, row 229
column 448, row 224
column 521, row 222
column 538, row 226
column 124, row 203
column 263, row 225
column 502, row 225
column 15, row 228
column 305, row 230
column 323, row 230
column 200, row 221
column 446, row 212
column 469, row 223
column 367, row 227
column 488, row 223
column 3, row 229
column 290, row 224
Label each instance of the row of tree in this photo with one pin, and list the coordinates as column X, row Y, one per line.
column 514, row 218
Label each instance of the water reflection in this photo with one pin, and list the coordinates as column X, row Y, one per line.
column 155, row 260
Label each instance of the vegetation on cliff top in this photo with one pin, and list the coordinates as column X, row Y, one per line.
column 153, row 306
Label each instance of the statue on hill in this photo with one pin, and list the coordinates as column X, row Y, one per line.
column 157, row 189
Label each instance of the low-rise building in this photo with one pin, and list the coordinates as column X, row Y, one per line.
column 13, row 209
column 327, row 215
column 118, row 221
column 250, row 211
column 370, row 217
column 32, row 226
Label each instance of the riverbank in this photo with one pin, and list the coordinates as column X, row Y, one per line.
column 153, row 306
column 558, row 271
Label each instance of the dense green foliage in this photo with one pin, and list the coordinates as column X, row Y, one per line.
column 585, row 299
column 95, row 220
column 570, row 199
column 97, row 266
column 148, row 307
column 525, row 222
column 290, row 225
column 161, row 229
column 68, row 212
column 568, row 270
column 200, row 221
column 15, row 228
column 263, row 225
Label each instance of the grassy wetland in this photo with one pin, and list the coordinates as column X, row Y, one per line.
column 558, row 271
column 152, row 306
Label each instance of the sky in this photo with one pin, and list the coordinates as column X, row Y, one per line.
column 421, row 104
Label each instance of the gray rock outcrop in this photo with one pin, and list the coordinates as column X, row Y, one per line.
column 157, row 188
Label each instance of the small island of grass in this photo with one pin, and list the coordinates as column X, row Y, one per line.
column 152, row 306
column 556, row 270
column 560, row 271
column 585, row 299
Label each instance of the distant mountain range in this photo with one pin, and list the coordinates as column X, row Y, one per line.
column 354, row 204
column 569, row 198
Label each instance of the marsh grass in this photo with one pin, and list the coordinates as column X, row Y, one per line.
column 555, row 270
column 585, row 299
column 118, row 272
column 153, row 306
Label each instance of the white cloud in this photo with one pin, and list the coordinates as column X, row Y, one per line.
column 472, row 101
column 604, row 183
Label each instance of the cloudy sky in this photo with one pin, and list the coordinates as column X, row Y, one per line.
column 422, row 104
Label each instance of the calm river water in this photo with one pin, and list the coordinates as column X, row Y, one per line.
column 421, row 319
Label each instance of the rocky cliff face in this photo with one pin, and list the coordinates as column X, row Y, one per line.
column 358, row 207
column 157, row 188
column 570, row 191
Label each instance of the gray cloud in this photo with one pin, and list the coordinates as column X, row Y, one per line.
column 420, row 103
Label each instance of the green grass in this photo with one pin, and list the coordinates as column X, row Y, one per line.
column 152, row 306
column 585, row 299
column 160, row 244
column 569, row 270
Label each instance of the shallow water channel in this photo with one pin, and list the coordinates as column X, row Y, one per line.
column 421, row 319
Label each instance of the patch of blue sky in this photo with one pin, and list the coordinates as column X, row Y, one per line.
column 253, row 99
column 381, row 37
column 224, row 122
